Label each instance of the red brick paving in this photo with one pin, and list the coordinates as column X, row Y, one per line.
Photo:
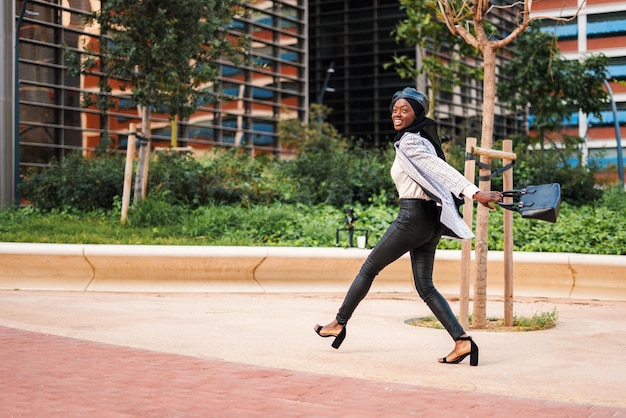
column 44, row 375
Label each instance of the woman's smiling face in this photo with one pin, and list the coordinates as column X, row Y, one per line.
column 402, row 114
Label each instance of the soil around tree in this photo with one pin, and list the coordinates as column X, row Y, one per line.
column 493, row 324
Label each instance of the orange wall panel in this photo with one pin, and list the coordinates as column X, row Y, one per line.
column 604, row 132
column 568, row 46
column 602, row 44
column 598, row 2
column 618, row 88
column 553, row 4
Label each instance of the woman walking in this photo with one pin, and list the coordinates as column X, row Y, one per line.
column 426, row 185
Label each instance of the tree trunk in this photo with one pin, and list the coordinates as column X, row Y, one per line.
column 144, row 156
column 479, row 317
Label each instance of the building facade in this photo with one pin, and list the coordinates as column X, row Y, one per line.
column 355, row 37
column 52, row 120
column 293, row 43
column 599, row 28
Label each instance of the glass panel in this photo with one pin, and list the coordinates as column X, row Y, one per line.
column 561, row 30
column 262, row 94
column 287, row 55
column 229, row 134
column 603, row 157
column 262, row 130
column 262, row 19
column 231, row 72
column 289, row 11
column 606, row 24
column 608, row 118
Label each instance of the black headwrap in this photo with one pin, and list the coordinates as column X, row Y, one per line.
column 425, row 126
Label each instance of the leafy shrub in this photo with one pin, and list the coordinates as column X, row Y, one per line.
column 176, row 177
column 221, row 176
column 589, row 229
column 77, row 182
column 156, row 210
column 613, row 198
column 236, row 177
column 337, row 177
column 328, row 171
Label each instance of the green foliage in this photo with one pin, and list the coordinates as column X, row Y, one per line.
column 613, row 198
column 165, row 51
column 224, row 176
column 590, row 229
column 311, row 136
column 552, row 86
column 539, row 321
column 263, row 225
column 77, row 182
column 337, row 178
column 539, row 165
column 323, row 175
column 425, row 29
column 593, row 228
column 156, row 210
column 328, row 168
column 551, row 165
column 231, row 198
column 176, row 178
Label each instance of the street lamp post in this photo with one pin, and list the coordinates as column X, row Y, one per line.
column 620, row 161
column 320, row 98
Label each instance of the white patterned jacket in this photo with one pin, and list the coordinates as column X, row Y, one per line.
column 419, row 160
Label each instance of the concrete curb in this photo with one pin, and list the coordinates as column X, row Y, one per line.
column 153, row 268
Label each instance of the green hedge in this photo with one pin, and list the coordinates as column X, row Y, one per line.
column 590, row 229
column 228, row 198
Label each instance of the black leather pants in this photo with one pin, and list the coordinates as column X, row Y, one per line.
column 416, row 229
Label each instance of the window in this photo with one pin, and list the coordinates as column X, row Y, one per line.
column 53, row 122
column 606, row 24
column 617, row 68
column 603, row 157
column 563, row 30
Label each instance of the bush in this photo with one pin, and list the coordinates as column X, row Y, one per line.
column 589, row 229
column 229, row 177
column 77, row 182
column 156, row 210
column 329, row 172
column 176, row 178
column 338, row 177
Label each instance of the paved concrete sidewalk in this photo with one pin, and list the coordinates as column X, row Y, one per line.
column 128, row 354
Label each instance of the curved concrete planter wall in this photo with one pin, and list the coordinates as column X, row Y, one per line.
column 149, row 268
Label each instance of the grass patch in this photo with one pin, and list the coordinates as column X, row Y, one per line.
column 537, row 322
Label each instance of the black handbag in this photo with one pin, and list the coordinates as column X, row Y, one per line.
column 535, row 202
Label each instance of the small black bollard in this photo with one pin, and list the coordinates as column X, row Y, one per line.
column 349, row 219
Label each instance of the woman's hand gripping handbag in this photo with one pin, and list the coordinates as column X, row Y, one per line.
column 535, row 202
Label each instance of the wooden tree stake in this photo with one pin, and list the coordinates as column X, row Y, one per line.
column 128, row 171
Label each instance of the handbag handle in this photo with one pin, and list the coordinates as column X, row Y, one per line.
column 517, row 192
column 514, row 207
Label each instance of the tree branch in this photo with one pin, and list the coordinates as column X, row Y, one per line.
column 447, row 16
